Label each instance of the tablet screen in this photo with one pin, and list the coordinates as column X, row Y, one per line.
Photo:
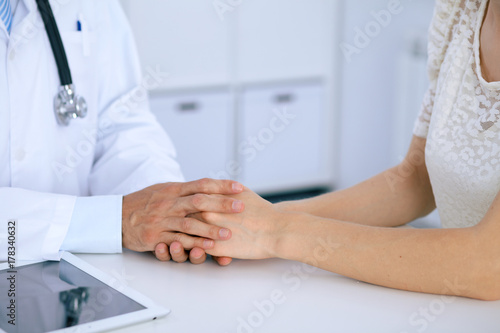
column 52, row 295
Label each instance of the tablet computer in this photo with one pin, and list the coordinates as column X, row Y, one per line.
column 67, row 296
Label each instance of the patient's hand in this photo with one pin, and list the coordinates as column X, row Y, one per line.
column 255, row 231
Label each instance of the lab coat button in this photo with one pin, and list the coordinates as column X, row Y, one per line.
column 12, row 55
column 20, row 154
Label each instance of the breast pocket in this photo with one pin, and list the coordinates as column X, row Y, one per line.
column 81, row 51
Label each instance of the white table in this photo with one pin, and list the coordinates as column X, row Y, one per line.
column 209, row 298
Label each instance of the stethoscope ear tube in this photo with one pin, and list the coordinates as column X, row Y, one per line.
column 67, row 105
column 55, row 41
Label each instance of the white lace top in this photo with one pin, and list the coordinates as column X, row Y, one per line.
column 460, row 116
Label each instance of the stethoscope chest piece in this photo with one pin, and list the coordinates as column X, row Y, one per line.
column 69, row 106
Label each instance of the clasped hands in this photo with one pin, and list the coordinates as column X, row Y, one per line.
column 190, row 220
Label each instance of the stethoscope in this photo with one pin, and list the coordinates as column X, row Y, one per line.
column 67, row 104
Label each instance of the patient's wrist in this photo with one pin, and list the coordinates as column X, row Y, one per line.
column 287, row 235
column 288, row 206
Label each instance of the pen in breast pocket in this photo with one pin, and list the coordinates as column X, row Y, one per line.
column 81, row 26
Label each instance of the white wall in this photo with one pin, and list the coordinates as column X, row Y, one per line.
column 369, row 104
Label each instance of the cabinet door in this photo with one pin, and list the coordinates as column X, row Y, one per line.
column 201, row 127
column 184, row 38
column 284, row 39
column 283, row 140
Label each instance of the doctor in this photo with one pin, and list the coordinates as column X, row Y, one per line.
column 64, row 186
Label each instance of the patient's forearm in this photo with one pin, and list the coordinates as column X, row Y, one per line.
column 451, row 261
column 394, row 197
column 372, row 202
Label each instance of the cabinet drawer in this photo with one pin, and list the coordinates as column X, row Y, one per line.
column 283, row 137
column 201, row 127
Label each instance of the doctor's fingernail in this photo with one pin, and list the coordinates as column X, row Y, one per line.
column 237, row 187
column 197, row 253
column 207, row 243
column 237, row 205
column 223, row 233
column 161, row 250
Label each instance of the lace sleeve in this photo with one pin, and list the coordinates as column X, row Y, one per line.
column 440, row 34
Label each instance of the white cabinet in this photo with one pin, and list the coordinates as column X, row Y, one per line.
column 228, row 78
column 201, row 127
column 283, row 139
column 184, row 38
column 282, row 39
column 257, row 41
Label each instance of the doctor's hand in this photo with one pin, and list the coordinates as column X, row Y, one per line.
column 179, row 254
column 158, row 216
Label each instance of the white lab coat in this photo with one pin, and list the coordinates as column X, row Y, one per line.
column 116, row 149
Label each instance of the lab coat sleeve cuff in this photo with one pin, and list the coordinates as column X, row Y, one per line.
column 96, row 225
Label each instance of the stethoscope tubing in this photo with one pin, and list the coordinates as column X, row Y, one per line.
column 55, row 42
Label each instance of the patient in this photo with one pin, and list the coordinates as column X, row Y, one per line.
column 453, row 163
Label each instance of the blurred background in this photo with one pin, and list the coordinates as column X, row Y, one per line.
column 291, row 97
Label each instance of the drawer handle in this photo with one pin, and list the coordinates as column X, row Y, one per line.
column 283, row 98
column 188, row 106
